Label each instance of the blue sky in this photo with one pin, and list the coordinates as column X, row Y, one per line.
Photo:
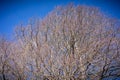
column 15, row 12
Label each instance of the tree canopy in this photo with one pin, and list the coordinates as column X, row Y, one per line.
column 70, row 43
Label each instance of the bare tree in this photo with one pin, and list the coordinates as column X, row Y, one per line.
column 4, row 58
column 70, row 43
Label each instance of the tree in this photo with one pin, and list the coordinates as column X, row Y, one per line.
column 4, row 58
column 70, row 43
column 85, row 33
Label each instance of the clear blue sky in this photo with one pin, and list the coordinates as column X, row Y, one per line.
column 14, row 12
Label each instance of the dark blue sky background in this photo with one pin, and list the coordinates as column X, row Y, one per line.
column 14, row 12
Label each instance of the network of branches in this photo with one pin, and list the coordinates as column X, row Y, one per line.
column 70, row 43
